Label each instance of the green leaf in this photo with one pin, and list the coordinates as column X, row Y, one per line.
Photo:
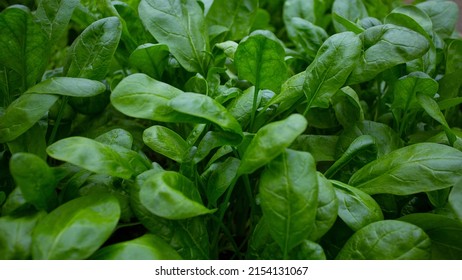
column 443, row 14
column 35, row 179
column 76, row 229
column 330, row 69
column 289, row 193
column 202, row 106
column 24, row 45
column 454, row 199
column 77, row 87
column 236, row 16
column 180, row 24
column 387, row 240
column 308, row 250
column 166, row 142
column 259, row 59
column 327, row 208
column 15, row 240
column 212, row 140
column 221, row 176
column 270, row 141
column 23, row 113
column 172, row 196
column 356, row 208
column 54, row 16
column 417, row 168
column 146, row 247
column 91, row 53
column 352, row 10
column 385, row 46
column 98, row 157
column 321, row 147
column 150, row 59
column 140, row 96
column 444, row 233
column 306, row 36
column 116, row 137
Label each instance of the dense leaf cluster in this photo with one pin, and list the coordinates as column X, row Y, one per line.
column 218, row 129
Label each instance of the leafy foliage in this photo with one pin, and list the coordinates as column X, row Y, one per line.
column 241, row 129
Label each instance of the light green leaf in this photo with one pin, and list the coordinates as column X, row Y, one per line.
column 166, row 142
column 54, row 16
column 76, row 229
column 77, row 87
column 150, row 59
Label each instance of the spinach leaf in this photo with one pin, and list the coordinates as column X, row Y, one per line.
column 146, row 247
column 443, row 232
column 288, row 193
column 166, row 142
column 387, row 240
column 87, row 221
column 180, row 25
column 77, row 87
column 150, row 59
column 54, row 16
column 412, row 169
column 270, row 141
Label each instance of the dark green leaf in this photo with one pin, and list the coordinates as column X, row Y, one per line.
column 35, row 179
column 454, row 199
column 54, row 16
column 15, row 237
column 259, row 59
column 150, row 59
column 91, row 53
column 76, row 229
column 443, row 14
column 171, row 195
column 180, row 24
column 24, row 45
column 356, row 208
column 306, row 36
column 23, row 113
column 444, row 234
column 387, row 240
column 385, row 46
column 321, row 147
column 352, row 10
column 236, row 16
column 289, row 193
column 417, row 168
column 330, row 69
column 270, row 141
column 221, row 177
column 146, row 247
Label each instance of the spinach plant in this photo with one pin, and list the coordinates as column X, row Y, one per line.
column 252, row 129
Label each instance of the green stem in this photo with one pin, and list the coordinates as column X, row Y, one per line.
column 227, row 233
column 52, row 138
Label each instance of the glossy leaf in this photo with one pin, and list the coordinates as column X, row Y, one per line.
column 180, row 24
column 23, row 113
column 221, row 176
column 35, row 179
column 54, row 16
column 24, row 45
column 166, row 142
column 387, row 240
column 412, row 169
column 87, row 221
column 212, row 140
column 444, row 233
column 116, row 137
column 331, row 67
column 289, row 193
column 171, row 195
column 321, row 147
column 353, row 10
column 236, row 16
column 306, row 36
column 98, row 157
column 140, row 96
column 15, row 240
column 150, row 59
column 77, row 87
column 259, row 59
column 454, row 200
column 356, row 208
column 202, row 106
column 270, row 141
column 146, row 247
column 385, row 46
column 443, row 15
column 91, row 53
